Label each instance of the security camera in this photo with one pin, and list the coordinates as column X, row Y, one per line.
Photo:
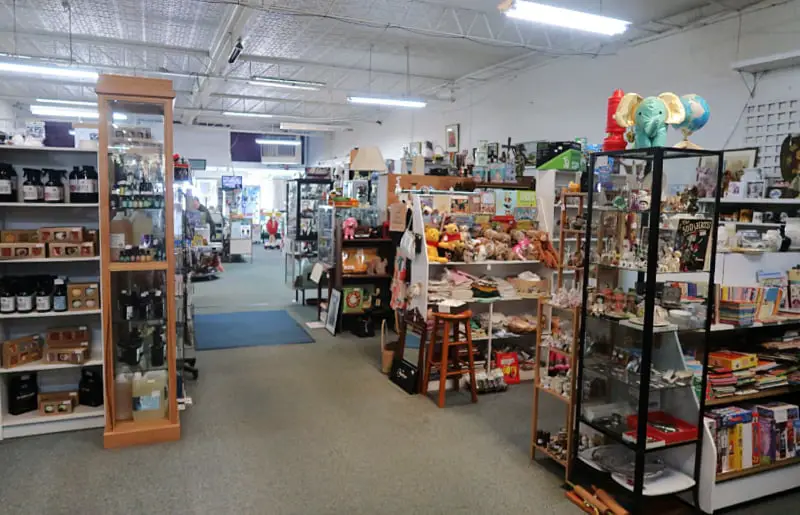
column 235, row 51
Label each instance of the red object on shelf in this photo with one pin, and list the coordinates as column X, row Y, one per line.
column 615, row 135
column 685, row 431
column 509, row 362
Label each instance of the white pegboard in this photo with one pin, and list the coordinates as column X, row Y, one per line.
column 766, row 126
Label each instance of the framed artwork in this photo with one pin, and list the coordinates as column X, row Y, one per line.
column 493, row 152
column 735, row 190
column 755, row 189
column 735, row 162
column 452, row 135
column 331, row 321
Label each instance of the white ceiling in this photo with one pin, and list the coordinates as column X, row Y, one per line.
column 451, row 43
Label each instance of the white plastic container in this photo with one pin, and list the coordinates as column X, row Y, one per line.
column 149, row 395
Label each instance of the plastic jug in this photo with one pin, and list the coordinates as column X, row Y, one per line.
column 149, row 395
column 123, row 396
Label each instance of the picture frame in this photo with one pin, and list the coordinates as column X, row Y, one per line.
column 755, row 189
column 736, row 189
column 452, row 137
column 332, row 319
column 734, row 163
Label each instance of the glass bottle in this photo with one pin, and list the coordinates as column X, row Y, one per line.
column 44, row 299
column 8, row 301
column 54, row 189
column 90, row 184
column 32, row 188
column 25, row 295
column 74, row 195
column 59, row 295
column 6, row 186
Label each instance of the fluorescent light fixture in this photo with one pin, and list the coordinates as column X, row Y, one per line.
column 51, row 71
column 246, row 115
column 566, row 18
column 287, row 83
column 287, row 142
column 392, row 102
column 290, row 126
column 71, row 112
column 66, row 102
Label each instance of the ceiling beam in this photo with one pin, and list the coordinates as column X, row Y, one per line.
column 234, row 21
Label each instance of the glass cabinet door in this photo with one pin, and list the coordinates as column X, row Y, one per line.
column 139, row 233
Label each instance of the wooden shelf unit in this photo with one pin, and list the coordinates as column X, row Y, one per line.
column 150, row 97
column 544, row 316
column 564, row 238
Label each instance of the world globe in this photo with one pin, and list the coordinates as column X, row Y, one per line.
column 697, row 112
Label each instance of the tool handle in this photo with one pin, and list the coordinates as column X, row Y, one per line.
column 577, row 501
column 591, row 499
column 613, row 506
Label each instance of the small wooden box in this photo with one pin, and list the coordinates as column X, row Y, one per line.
column 22, row 250
column 71, row 250
column 83, row 296
column 66, row 337
column 74, row 355
column 62, row 234
column 19, row 236
column 57, row 403
column 22, row 350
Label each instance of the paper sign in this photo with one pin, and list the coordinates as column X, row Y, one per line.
column 526, row 199
column 397, row 217
column 316, row 272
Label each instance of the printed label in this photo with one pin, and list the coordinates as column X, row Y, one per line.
column 5, row 187
column 73, row 185
column 60, row 303
column 30, row 193
column 87, row 186
column 24, row 303
column 8, row 304
column 147, row 402
column 53, row 193
column 117, row 240
column 43, row 303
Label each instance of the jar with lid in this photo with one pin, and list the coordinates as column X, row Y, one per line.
column 59, row 295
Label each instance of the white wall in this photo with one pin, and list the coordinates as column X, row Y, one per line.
column 210, row 143
column 567, row 99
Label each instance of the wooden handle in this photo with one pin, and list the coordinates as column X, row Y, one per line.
column 577, row 501
column 590, row 498
column 613, row 506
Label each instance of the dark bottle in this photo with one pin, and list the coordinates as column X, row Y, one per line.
column 32, row 188
column 88, row 184
column 145, row 306
column 6, row 184
column 59, row 295
column 25, row 295
column 14, row 183
column 54, row 189
column 74, row 195
column 158, row 305
column 44, row 299
column 8, row 301
column 157, row 348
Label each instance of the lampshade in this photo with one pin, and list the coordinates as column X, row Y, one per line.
column 368, row 159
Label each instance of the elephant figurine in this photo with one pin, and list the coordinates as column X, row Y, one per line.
column 349, row 227
column 650, row 117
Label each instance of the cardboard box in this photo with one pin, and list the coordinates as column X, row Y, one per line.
column 776, row 431
column 22, row 250
column 71, row 250
column 66, row 337
column 83, row 296
column 19, row 236
column 56, row 403
column 22, row 350
column 62, row 234
column 74, row 355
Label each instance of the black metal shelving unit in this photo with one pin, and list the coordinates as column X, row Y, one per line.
column 295, row 191
column 653, row 347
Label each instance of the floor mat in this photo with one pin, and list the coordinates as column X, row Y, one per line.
column 248, row 329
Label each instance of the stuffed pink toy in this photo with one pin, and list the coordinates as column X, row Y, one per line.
column 349, row 226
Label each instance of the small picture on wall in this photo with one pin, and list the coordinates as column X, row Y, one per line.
column 735, row 190
column 734, row 163
column 452, row 137
column 755, row 189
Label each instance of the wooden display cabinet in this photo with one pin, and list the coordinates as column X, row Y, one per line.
column 138, row 262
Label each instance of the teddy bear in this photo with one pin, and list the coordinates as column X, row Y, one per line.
column 432, row 245
column 451, row 236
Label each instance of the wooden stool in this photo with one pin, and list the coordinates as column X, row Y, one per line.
column 449, row 353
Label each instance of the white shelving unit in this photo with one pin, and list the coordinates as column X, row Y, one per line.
column 78, row 269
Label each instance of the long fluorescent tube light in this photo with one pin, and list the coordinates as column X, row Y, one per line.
column 66, row 102
column 71, row 112
column 392, row 102
column 567, row 18
column 246, row 115
column 287, row 142
column 53, row 71
column 287, row 83
column 289, row 126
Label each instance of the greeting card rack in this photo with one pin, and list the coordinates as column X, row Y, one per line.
column 635, row 402
column 138, row 260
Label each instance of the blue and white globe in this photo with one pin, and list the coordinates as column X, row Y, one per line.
column 697, row 112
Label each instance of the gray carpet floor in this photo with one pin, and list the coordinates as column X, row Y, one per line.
column 299, row 429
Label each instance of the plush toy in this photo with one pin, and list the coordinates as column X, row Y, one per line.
column 432, row 244
column 543, row 249
column 450, row 237
column 649, row 117
column 349, row 228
